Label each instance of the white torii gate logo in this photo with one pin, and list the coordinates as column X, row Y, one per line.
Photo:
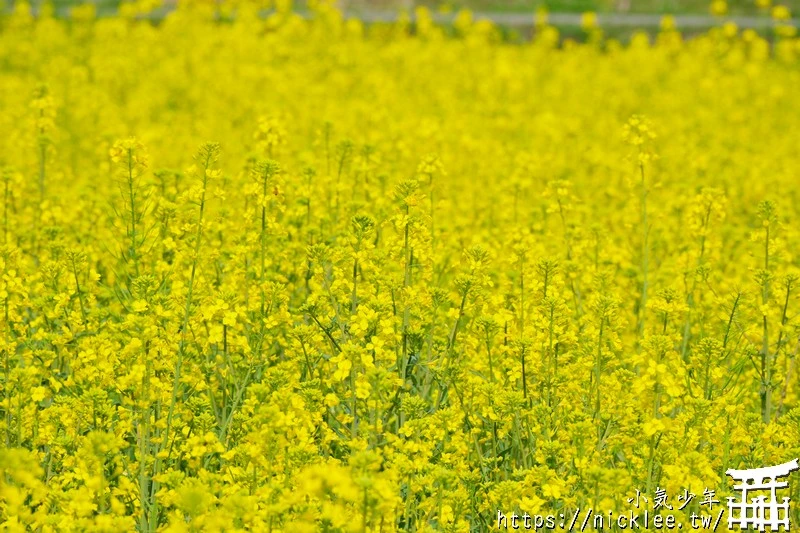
column 760, row 513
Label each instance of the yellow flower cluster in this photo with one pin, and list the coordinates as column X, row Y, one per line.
column 420, row 274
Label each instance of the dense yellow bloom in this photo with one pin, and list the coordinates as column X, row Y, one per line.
column 423, row 275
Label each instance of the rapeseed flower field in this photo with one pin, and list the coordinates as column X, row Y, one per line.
column 292, row 273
